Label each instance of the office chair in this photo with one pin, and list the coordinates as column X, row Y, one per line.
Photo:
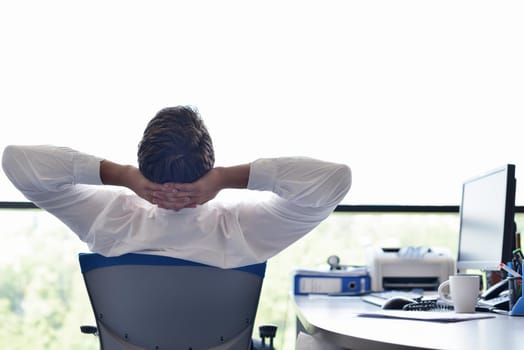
column 154, row 302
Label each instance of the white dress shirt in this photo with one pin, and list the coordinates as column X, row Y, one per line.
column 113, row 221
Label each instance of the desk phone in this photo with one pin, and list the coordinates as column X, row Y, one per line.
column 496, row 297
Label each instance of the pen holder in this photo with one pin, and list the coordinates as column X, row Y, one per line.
column 516, row 308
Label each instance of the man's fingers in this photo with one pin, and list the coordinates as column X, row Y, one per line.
column 174, row 196
column 174, row 202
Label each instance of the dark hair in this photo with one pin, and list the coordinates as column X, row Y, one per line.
column 176, row 146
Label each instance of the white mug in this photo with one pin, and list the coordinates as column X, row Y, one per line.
column 463, row 292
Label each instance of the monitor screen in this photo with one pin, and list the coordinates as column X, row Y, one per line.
column 487, row 220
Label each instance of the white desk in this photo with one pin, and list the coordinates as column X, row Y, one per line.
column 334, row 320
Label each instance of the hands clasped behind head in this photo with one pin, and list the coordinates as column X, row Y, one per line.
column 170, row 197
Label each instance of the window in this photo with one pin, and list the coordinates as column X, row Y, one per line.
column 414, row 96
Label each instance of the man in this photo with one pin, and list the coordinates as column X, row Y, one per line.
column 172, row 211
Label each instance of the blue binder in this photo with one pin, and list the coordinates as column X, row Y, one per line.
column 346, row 282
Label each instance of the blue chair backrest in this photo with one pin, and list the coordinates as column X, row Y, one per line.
column 143, row 301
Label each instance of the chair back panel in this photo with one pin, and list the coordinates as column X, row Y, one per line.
column 179, row 306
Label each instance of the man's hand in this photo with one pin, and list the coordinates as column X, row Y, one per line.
column 166, row 196
column 175, row 196
column 199, row 192
column 129, row 176
column 188, row 195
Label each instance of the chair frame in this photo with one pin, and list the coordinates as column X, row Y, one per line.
column 143, row 301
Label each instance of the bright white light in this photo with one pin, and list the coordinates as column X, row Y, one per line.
column 416, row 96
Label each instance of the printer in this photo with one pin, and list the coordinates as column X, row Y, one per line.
column 409, row 268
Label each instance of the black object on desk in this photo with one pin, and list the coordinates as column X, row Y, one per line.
column 380, row 298
column 397, row 303
column 496, row 297
column 265, row 332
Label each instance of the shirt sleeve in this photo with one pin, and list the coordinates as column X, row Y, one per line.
column 41, row 169
column 306, row 192
column 54, row 178
column 306, row 182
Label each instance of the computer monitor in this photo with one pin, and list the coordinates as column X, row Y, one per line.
column 487, row 220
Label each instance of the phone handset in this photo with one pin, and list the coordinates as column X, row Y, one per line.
column 495, row 290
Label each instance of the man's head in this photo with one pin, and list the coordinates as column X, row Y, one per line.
column 175, row 147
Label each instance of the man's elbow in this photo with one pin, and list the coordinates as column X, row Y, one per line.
column 13, row 163
column 347, row 177
column 8, row 158
column 342, row 177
